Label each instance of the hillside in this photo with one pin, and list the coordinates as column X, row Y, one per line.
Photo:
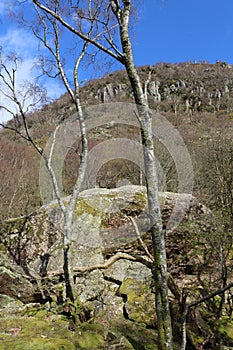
column 192, row 116
column 196, row 98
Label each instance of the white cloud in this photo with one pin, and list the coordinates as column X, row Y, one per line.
column 24, row 45
column 19, row 41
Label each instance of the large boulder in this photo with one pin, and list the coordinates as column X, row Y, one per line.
column 102, row 227
column 101, row 224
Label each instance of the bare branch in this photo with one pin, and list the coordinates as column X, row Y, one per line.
column 48, row 161
column 140, row 239
column 77, row 32
column 146, row 85
column 103, row 266
column 209, row 296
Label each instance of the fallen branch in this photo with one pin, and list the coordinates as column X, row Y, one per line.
column 103, row 266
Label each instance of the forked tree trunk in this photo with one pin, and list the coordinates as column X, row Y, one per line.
column 69, row 212
column 160, row 261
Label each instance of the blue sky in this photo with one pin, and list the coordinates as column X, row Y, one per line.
column 184, row 30
column 167, row 31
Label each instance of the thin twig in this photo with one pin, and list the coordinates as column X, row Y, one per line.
column 140, row 239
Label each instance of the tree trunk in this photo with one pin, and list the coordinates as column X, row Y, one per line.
column 68, row 265
column 68, row 275
column 160, row 262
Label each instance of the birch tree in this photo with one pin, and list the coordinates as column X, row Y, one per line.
column 17, row 104
column 111, row 20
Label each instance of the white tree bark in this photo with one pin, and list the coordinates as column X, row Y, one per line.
column 122, row 10
column 160, row 264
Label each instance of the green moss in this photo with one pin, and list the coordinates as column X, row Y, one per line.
column 40, row 344
column 140, row 304
column 8, row 302
column 137, row 205
column 141, row 199
column 137, row 335
column 32, row 327
column 89, row 340
column 3, row 249
column 38, row 313
column 35, row 310
column 195, row 338
column 224, row 326
column 95, row 206
column 84, row 207
column 127, row 286
column 49, row 333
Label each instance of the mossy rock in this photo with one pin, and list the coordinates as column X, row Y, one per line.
column 138, row 204
column 89, row 341
column 6, row 302
column 16, row 284
column 39, row 313
column 119, row 342
column 83, row 207
column 137, row 335
column 48, row 332
column 140, row 304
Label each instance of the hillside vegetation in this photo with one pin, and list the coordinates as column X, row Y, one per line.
column 196, row 98
column 114, row 256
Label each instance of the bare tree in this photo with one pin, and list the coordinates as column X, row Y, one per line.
column 19, row 102
column 111, row 20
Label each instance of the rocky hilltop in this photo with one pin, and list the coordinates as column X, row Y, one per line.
column 183, row 87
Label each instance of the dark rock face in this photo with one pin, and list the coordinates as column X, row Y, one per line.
column 16, row 284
